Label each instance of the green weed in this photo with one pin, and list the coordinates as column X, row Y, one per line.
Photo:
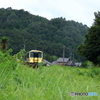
column 19, row 82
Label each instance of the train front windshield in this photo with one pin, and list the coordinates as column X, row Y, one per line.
column 36, row 54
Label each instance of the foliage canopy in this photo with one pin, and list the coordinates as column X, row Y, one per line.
column 35, row 32
column 91, row 47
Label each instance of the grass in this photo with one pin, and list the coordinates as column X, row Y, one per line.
column 47, row 83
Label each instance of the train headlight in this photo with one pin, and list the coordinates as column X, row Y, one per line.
column 31, row 60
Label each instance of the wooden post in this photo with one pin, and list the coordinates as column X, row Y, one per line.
column 63, row 54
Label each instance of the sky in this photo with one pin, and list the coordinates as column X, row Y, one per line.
column 81, row 11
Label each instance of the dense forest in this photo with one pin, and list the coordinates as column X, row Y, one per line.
column 91, row 46
column 27, row 31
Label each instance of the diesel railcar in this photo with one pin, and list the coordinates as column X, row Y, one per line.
column 34, row 57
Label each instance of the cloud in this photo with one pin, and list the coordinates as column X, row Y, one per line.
column 78, row 10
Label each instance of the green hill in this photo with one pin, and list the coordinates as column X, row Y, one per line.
column 35, row 32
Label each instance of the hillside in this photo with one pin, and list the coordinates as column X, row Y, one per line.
column 34, row 32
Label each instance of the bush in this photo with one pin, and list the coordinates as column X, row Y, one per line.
column 96, row 71
column 7, row 61
column 87, row 64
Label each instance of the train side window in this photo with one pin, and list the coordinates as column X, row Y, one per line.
column 39, row 54
column 31, row 54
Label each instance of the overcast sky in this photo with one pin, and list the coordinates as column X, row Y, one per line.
column 78, row 10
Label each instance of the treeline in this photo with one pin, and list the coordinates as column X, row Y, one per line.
column 35, row 32
column 91, row 46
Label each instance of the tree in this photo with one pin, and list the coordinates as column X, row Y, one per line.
column 91, row 47
column 4, row 43
column 40, row 33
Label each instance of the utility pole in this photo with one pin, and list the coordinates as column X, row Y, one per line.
column 73, row 54
column 24, row 44
column 70, row 55
column 63, row 54
column 24, row 40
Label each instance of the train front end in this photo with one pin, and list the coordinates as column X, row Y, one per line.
column 34, row 57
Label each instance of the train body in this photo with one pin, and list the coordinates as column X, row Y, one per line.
column 34, row 57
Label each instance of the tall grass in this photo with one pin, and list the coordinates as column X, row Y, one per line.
column 19, row 82
column 46, row 83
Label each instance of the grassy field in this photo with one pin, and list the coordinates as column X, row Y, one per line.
column 18, row 82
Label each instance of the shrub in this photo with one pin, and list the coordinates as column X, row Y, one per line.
column 87, row 64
